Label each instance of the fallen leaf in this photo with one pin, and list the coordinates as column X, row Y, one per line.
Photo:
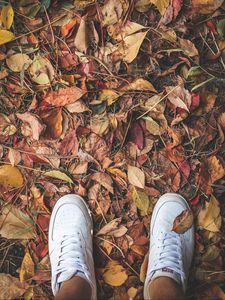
column 179, row 97
column 5, row 36
column 209, row 217
column 63, row 96
column 6, row 126
column 132, row 292
column 161, row 5
column 112, row 225
column 15, row 224
column 114, row 274
column 10, row 176
column 27, row 268
column 58, row 175
column 99, row 124
column 104, row 179
column 211, row 292
column 188, row 47
column 53, row 119
column 139, row 84
column 14, row 156
column 205, row 6
column 183, row 222
column 97, row 147
column 77, row 107
column 207, row 102
column 177, row 5
column 112, row 11
column 130, row 46
column 41, row 70
column 81, row 39
column 141, row 200
column 34, row 123
column 120, row 231
column 11, row 287
column 7, row 15
column 18, row 62
column 110, row 96
column 152, row 126
column 120, row 30
column 136, row 177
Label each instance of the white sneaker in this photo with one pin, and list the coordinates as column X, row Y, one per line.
column 70, row 242
column 170, row 253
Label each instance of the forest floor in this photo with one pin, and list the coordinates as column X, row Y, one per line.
column 120, row 102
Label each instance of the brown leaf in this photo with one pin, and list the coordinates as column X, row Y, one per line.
column 97, row 147
column 183, row 222
column 34, row 123
column 144, row 267
column 205, row 6
column 112, row 225
column 63, row 96
column 14, row 157
column 188, row 47
column 207, row 101
column 52, row 118
column 179, row 96
column 11, row 287
column 15, row 224
column 104, row 179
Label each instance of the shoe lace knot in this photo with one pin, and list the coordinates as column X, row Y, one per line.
column 170, row 254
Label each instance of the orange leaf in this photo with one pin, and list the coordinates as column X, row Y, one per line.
column 183, row 222
column 65, row 29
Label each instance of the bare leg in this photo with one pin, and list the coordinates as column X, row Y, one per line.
column 75, row 288
column 165, row 288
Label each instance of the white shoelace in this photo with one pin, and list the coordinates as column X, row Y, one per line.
column 171, row 255
column 72, row 255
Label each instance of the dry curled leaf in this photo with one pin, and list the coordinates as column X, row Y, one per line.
column 183, row 222
column 34, row 124
column 11, row 287
column 18, row 62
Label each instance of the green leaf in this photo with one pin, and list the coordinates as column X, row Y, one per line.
column 221, row 28
column 141, row 200
column 194, row 71
column 59, row 175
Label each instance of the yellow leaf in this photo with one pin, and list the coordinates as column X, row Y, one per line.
column 5, row 36
column 130, row 46
column 15, row 224
column 107, row 246
column 59, row 175
column 115, row 274
column 18, row 62
column 99, row 124
column 7, row 16
column 108, row 95
column 136, row 177
column 117, row 172
column 27, row 268
column 152, row 126
column 139, row 84
column 209, row 217
column 10, row 176
column 161, row 5
column 141, row 200
column 120, row 30
column 132, row 292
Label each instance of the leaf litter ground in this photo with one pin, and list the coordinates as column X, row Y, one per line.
column 118, row 102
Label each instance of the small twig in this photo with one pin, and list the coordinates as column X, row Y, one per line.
column 114, row 245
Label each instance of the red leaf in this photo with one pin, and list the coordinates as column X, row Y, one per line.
column 195, row 200
column 185, row 168
column 137, row 136
column 43, row 221
column 211, row 25
column 63, row 97
column 177, row 4
column 195, row 101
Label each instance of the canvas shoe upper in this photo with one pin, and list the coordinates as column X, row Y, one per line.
column 170, row 253
column 70, row 242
